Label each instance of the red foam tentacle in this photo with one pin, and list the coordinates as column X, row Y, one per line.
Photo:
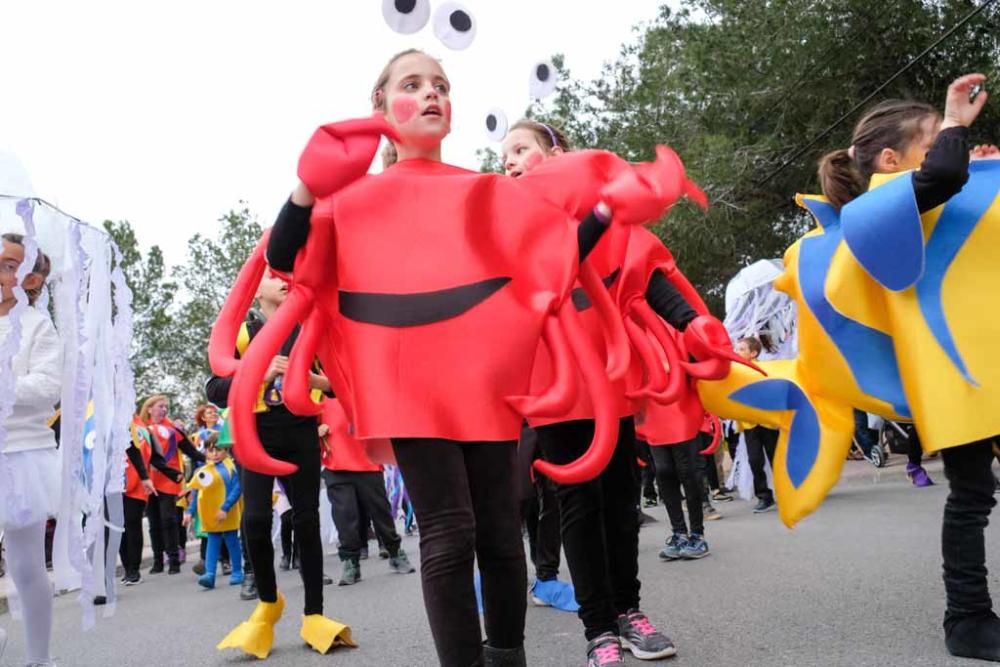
column 616, row 340
column 657, row 376
column 558, row 399
column 602, row 447
column 250, row 376
column 716, row 436
column 296, row 390
column 676, row 376
column 226, row 329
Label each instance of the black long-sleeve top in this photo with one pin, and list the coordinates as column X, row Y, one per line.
column 945, row 169
column 135, row 458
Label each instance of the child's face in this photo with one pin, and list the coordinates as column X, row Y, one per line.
column 10, row 259
column 743, row 349
column 214, row 454
column 158, row 411
column 521, row 152
column 417, row 100
column 272, row 290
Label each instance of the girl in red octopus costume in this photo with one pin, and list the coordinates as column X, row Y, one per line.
column 425, row 291
column 600, row 526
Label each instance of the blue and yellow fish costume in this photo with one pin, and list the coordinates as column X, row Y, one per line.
column 899, row 316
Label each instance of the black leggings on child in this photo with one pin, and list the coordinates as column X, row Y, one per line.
column 678, row 465
column 463, row 495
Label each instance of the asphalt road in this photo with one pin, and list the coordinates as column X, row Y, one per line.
column 856, row 584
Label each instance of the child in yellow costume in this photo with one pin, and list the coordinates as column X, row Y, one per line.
column 897, row 301
column 216, row 497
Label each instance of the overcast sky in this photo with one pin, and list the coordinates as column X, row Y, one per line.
column 169, row 113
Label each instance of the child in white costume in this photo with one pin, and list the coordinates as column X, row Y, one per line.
column 30, row 468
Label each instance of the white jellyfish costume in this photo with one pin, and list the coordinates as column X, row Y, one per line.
column 90, row 306
column 755, row 308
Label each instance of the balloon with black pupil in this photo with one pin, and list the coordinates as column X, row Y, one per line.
column 496, row 125
column 406, row 16
column 454, row 25
column 543, row 80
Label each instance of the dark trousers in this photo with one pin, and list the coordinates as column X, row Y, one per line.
column 288, row 549
column 130, row 549
column 298, row 444
column 914, row 452
column 541, row 519
column 357, row 496
column 600, row 524
column 866, row 437
column 761, row 441
column 966, row 515
column 464, row 498
column 648, row 471
column 161, row 510
column 680, row 465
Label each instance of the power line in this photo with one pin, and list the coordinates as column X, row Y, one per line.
column 968, row 17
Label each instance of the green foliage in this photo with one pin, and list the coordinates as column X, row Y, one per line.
column 736, row 87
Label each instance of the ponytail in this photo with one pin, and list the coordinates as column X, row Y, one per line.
column 840, row 178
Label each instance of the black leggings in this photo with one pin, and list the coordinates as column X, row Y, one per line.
column 130, row 549
column 356, row 497
column 298, row 444
column 463, row 495
column 288, row 549
column 761, row 441
column 678, row 465
column 162, row 514
column 600, row 524
column 541, row 518
column 966, row 515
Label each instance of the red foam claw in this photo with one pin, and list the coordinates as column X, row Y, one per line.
column 707, row 340
column 558, row 399
column 657, row 376
column 222, row 341
column 249, row 377
column 676, row 377
column 340, row 153
column 296, row 390
column 716, row 436
column 611, row 322
column 602, row 447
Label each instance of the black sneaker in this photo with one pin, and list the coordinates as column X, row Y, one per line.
column 640, row 637
column 649, row 502
column 156, row 569
column 721, row 496
column 765, row 505
column 351, row 574
column 383, row 553
column 133, row 579
column 248, row 591
column 100, row 600
column 174, row 568
column 975, row 636
column 604, row 650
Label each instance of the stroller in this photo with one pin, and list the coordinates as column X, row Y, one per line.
column 892, row 438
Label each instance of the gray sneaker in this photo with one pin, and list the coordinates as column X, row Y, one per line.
column 640, row 637
column 351, row 574
column 604, row 650
column 400, row 564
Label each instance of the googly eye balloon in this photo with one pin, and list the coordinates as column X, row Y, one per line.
column 496, row 125
column 204, row 479
column 406, row 16
column 454, row 26
column 543, row 79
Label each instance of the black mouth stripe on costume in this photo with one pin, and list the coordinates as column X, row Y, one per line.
column 413, row 310
column 580, row 299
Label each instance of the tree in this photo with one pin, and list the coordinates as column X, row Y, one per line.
column 737, row 87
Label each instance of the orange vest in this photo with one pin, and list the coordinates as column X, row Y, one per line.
column 166, row 438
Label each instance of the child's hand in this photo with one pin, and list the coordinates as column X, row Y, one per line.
column 958, row 110
column 985, row 152
column 279, row 366
column 324, row 430
column 186, row 521
column 148, row 485
column 221, row 515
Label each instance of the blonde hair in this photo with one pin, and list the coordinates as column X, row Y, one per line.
column 148, row 404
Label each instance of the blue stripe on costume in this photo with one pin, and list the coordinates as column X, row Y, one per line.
column 954, row 227
column 869, row 353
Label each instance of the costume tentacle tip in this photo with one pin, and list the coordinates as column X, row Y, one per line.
column 256, row 635
column 323, row 634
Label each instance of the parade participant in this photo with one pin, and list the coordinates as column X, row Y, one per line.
column 355, row 486
column 138, row 488
column 169, row 442
column 30, row 489
column 760, row 440
column 216, row 498
column 603, row 562
column 293, row 438
column 457, row 450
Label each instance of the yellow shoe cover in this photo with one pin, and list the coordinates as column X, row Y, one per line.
column 256, row 635
column 324, row 634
